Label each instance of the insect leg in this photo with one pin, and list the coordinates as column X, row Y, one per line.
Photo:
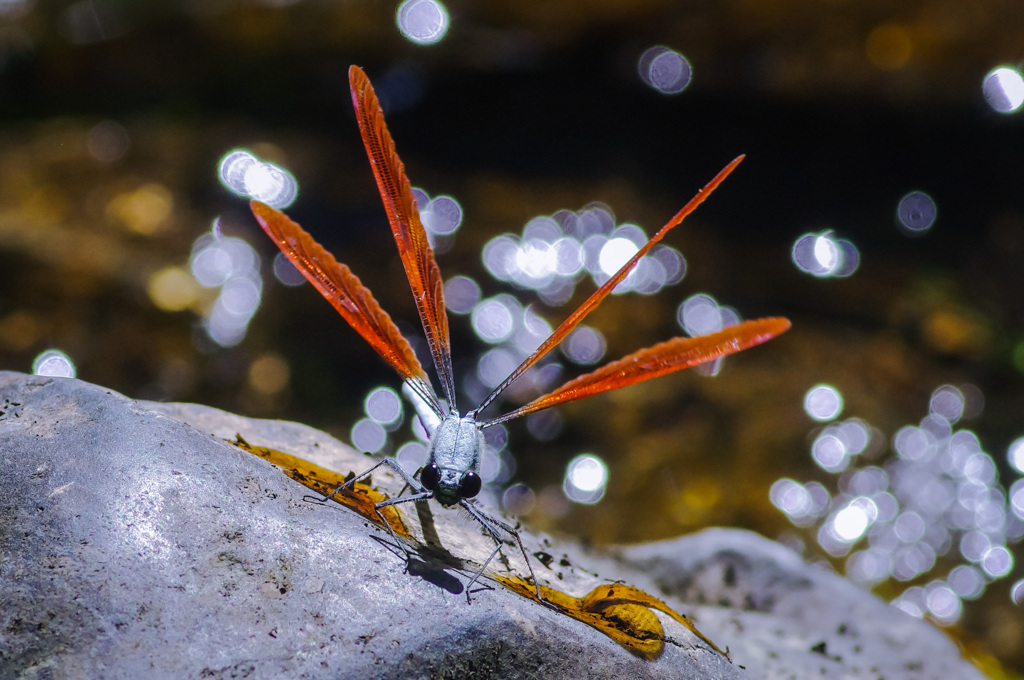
column 409, row 480
column 420, row 495
column 490, row 523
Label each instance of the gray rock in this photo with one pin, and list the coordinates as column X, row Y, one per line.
column 789, row 619
column 135, row 541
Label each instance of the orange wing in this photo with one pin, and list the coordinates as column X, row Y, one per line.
column 348, row 295
column 601, row 293
column 666, row 357
column 417, row 257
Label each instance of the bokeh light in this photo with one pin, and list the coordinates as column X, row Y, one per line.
column 173, row 289
column 383, row 406
column 285, row 271
column 664, row 69
column 823, row 403
column 936, row 499
column 269, row 373
column 497, row 454
column 911, row 601
column 943, row 602
column 911, row 561
column 584, row 346
column 494, row 366
column 232, row 265
column 53, row 363
column 441, row 217
column 851, row 522
column 368, row 435
column 614, row 253
column 1015, row 455
column 948, row 403
column 461, row 294
column 245, row 175
column 869, row 566
column 553, row 252
column 494, row 319
column 538, row 260
column 913, row 443
column 1017, row 498
column 1003, row 89
column 586, row 477
column 108, row 141
column 700, row 315
column 825, row 255
column 411, row 456
column 997, row 561
column 544, row 426
column 424, row 22
column 519, row 499
column 1017, row 592
column 915, row 213
column 550, row 256
column 493, row 469
column 966, row 581
column 909, row 527
column 145, row 210
column 829, row 451
column 803, row 504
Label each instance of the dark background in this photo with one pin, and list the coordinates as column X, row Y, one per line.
column 526, row 108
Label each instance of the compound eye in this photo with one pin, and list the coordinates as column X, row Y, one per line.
column 470, row 485
column 429, row 477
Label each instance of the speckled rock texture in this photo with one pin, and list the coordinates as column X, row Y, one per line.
column 136, row 542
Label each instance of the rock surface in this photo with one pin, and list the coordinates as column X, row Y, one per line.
column 135, row 541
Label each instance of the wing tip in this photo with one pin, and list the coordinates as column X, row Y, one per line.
column 772, row 326
column 357, row 79
column 262, row 212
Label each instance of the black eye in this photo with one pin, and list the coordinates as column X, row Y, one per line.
column 470, row 485
column 429, row 477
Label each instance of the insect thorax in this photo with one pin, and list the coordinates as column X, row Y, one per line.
column 456, row 448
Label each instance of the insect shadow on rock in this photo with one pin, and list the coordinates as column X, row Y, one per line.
column 451, row 475
column 428, row 568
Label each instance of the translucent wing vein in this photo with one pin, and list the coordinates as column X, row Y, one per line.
column 348, row 295
column 657, row 360
column 410, row 236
